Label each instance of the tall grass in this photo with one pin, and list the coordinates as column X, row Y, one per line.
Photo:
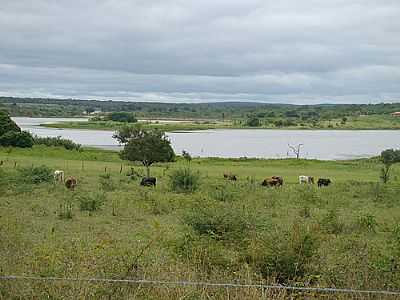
column 345, row 235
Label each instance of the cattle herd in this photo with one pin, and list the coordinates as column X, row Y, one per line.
column 278, row 180
column 273, row 181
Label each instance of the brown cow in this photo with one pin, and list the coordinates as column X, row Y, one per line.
column 230, row 176
column 71, row 183
column 273, row 181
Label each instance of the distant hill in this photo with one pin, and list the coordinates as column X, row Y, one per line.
column 48, row 107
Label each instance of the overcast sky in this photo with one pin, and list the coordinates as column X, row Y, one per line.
column 288, row 51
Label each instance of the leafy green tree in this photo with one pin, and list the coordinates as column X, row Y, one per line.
column 7, row 124
column 125, row 132
column 121, row 116
column 147, row 147
column 11, row 134
column 89, row 110
column 388, row 157
column 17, row 139
column 253, row 122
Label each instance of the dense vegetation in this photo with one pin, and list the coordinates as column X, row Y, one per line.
column 239, row 114
column 56, row 142
column 11, row 135
column 346, row 235
column 118, row 116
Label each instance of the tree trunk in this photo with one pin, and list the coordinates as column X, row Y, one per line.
column 148, row 170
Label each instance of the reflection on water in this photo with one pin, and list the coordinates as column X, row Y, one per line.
column 260, row 143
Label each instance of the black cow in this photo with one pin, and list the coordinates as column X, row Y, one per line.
column 324, row 182
column 230, row 176
column 148, row 181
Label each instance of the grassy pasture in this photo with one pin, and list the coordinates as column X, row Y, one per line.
column 346, row 235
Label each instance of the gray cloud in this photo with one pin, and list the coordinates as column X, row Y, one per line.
column 194, row 51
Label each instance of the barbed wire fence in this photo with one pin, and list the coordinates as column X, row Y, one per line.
column 204, row 284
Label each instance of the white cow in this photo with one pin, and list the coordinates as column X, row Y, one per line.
column 58, row 175
column 306, row 179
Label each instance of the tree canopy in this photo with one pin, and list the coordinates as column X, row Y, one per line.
column 7, row 124
column 388, row 158
column 145, row 146
column 11, row 134
column 121, row 116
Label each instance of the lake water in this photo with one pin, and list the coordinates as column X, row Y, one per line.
column 260, row 143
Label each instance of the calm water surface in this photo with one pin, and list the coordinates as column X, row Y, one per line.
column 260, row 143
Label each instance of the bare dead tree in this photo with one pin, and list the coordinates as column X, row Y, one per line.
column 296, row 150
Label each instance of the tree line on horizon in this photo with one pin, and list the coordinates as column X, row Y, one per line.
column 46, row 107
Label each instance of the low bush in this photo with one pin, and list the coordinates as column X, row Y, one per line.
column 36, row 175
column 184, row 180
column 286, row 257
column 331, row 223
column 106, row 182
column 219, row 221
column 225, row 193
column 91, row 202
column 367, row 223
column 56, row 142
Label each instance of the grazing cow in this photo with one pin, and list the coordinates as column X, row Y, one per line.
column 306, row 179
column 71, row 183
column 58, row 176
column 230, row 176
column 148, row 181
column 324, row 182
column 273, row 181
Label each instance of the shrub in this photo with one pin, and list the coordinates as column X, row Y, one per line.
column 91, row 202
column 16, row 139
column 285, row 257
column 367, row 223
column 219, row 222
column 36, row 174
column 106, row 182
column 56, row 142
column 7, row 124
column 207, row 254
column 224, row 193
column 120, row 116
column 307, row 194
column 395, row 240
column 331, row 223
column 253, row 122
column 184, row 180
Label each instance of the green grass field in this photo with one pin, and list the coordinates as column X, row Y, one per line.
column 346, row 235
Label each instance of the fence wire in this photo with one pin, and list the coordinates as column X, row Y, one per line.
column 204, row 284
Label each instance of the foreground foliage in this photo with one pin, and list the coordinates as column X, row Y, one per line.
column 345, row 235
